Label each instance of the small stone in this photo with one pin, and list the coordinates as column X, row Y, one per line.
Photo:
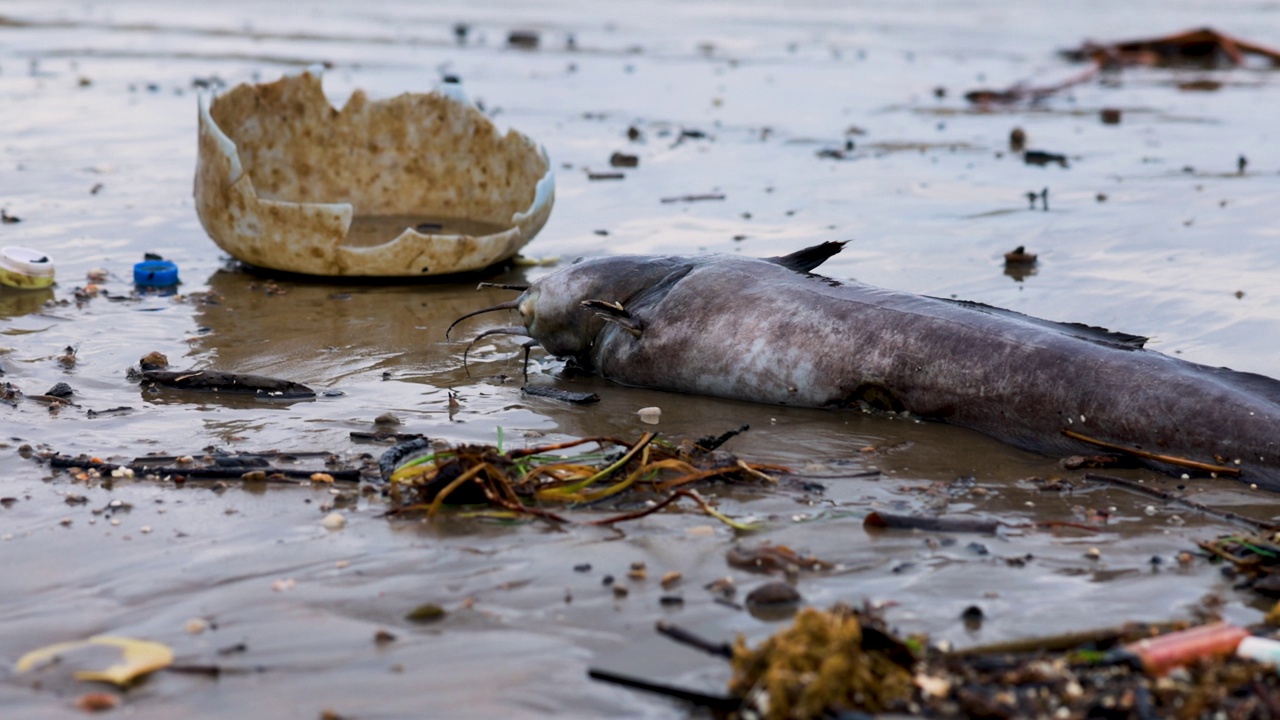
column 334, row 521
column 523, row 39
column 670, row 579
column 624, row 160
column 1110, row 116
column 98, row 702
column 428, row 612
column 671, row 600
column 637, row 571
column 154, row 361
column 284, row 585
column 1017, row 139
column 620, row 591
column 582, row 567
column 195, row 626
column 382, row 637
column 321, row 478
column 1093, row 553
column 386, row 418
column 774, row 593
column 724, row 587
column 650, row 415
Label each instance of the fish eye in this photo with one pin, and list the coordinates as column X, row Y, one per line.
column 527, row 305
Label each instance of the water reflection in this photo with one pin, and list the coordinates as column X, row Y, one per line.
column 323, row 332
column 16, row 303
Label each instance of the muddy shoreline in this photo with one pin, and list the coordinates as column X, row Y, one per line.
column 791, row 126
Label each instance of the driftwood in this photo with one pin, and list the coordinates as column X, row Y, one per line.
column 227, row 382
column 1203, row 47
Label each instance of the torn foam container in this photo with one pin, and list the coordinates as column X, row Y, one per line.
column 414, row 185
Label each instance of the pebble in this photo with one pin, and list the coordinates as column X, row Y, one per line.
column 774, row 593
column 195, row 626
column 650, row 415
column 334, row 521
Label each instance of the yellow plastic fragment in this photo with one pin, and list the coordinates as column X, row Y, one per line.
column 138, row 657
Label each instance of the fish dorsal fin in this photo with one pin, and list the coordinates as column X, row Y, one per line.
column 809, row 258
column 1102, row 336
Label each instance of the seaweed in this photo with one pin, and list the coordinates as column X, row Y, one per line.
column 530, row 482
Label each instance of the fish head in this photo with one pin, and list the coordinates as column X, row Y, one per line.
column 553, row 310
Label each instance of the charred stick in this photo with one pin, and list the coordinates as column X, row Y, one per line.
column 717, row 703
column 1170, row 497
column 685, row 637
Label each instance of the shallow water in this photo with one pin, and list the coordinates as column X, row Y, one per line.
column 98, row 150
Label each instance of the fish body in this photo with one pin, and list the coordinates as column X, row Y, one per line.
column 766, row 330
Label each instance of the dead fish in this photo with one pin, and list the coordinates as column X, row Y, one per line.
column 767, row 330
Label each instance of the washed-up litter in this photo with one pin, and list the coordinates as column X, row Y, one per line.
column 1204, row 48
column 844, row 662
column 1254, row 560
column 270, row 467
column 137, row 658
column 1201, row 47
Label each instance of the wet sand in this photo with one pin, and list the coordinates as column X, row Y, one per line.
column 98, row 155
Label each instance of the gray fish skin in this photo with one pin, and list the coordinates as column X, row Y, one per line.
column 755, row 330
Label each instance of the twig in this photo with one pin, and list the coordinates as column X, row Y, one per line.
column 219, row 472
column 717, row 703
column 877, row 519
column 684, row 637
column 1225, row 470
column 1213, row 549
column 663, row 503
column 1170, row 497
column 694, row 198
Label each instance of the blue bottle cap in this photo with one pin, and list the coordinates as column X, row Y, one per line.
column 155, row 273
